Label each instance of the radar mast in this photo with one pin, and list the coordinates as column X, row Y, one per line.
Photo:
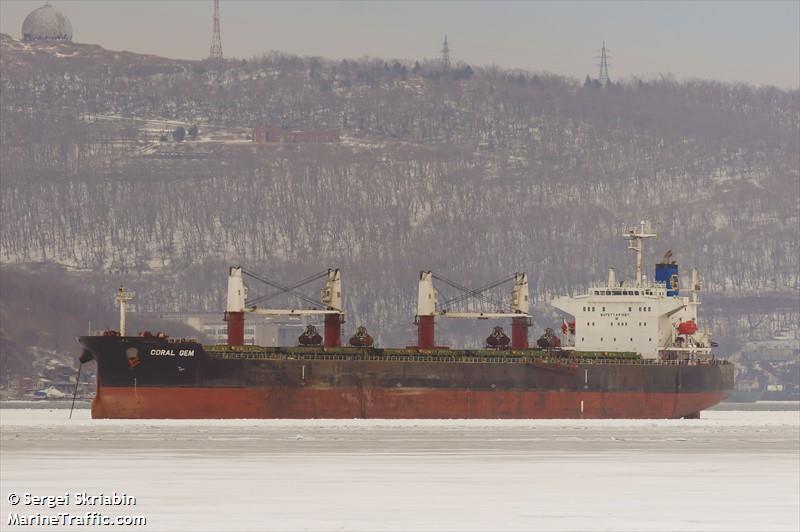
column 636, row 236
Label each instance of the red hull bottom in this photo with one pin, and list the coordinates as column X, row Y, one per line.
column 405, row 403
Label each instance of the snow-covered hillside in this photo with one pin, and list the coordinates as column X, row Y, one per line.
column 475, row 175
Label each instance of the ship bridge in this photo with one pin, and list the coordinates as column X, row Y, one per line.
column 648, row 317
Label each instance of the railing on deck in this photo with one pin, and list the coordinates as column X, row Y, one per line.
column 370, row 355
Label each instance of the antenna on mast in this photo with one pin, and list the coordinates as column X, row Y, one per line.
column 636, row 236
column 216, row 39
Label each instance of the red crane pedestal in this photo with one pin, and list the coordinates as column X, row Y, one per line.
column 425, row 332
column 519, row 333
column 235, row 327
column 333, row 330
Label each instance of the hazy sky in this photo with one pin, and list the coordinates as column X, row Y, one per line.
column 755, row 42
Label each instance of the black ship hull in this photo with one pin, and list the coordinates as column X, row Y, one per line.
column 154, row 378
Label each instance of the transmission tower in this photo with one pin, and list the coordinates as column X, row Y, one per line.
column 216, row 39
column 604, row 57
column 445, row 55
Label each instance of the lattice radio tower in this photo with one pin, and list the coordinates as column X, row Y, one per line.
column 216, row 39
column 604, row 57
column 445, row 55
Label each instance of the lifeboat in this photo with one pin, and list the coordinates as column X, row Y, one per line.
column 687, row 327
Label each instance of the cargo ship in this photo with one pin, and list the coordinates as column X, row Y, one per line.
column 626, row 349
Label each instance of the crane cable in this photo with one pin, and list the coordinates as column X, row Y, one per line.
column 267, row 297
column 470, row 293
column 284, row 289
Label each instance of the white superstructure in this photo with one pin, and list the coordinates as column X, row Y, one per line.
column 647, row 317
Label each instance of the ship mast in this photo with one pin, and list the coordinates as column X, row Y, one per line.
column 123, row 296
column 636, row 236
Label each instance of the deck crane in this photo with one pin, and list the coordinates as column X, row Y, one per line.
column 329, row 306
column 428, row 308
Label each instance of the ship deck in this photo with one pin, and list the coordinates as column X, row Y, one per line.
column 443, row 355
